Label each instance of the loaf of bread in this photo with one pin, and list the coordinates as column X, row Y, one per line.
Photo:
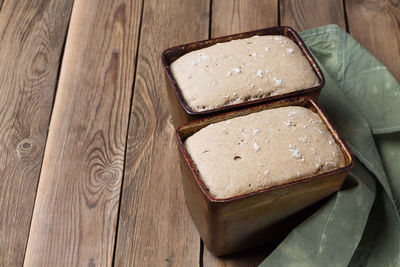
column 242, row 70
column 262, row 149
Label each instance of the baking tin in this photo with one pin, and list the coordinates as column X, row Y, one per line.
column 235, row 223
column 182, row 113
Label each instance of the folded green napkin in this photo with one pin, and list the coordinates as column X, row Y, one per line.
column 359, row 225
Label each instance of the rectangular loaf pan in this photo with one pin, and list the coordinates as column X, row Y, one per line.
column 231, row 224
column 182, row 113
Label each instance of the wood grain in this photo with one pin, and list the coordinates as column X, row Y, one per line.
column 307, row 14
column 234, row 16
column 155, row 228
column 376, row 25
column 75, row 213
column 228, row 17
column 32, row 35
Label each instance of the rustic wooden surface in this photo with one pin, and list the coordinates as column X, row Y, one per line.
column 102, row 185
column 307, row 14
column 75, row 214
column 32, row 34
column 229, row 17
column 154, row 227
column 376, row 24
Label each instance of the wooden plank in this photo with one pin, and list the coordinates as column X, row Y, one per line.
column 155, row 228
column 228, row 17
column 32, row 34
column 75, row 214
column 234, row 16
column 375, row 24
column 307, row 14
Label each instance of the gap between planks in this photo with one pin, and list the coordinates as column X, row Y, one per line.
column 126, row 138
column 154, row 226
column 229, row 17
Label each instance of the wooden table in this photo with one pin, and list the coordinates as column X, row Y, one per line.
column 88, row 167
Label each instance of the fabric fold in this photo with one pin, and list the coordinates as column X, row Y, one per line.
column 360, row 224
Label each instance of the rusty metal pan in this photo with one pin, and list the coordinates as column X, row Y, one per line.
column 173, row 53
column 231, row 224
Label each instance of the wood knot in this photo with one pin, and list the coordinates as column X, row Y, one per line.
column 27, row 148
column 108, row 174
column 39, row 64
column 26, row 145
column 170, row 259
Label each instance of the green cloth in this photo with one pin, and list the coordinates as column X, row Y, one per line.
column 359, row 225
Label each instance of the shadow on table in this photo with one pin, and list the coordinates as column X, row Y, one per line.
column 254, row 256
